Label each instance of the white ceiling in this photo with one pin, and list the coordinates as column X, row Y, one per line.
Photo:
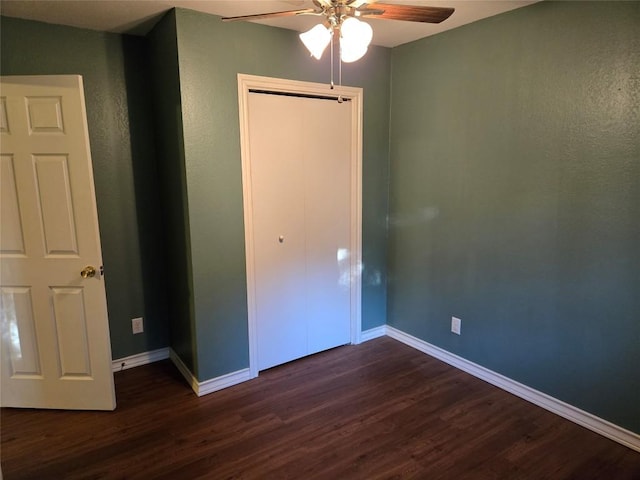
column 138, row 16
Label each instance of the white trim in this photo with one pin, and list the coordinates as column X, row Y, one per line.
column 574, row 414
column 245, row 83
column 586, row 419
column 357, row 102
column 372, row 333
column 186, row 373
column 213, row 384
column 139, row 359
column 223, row 381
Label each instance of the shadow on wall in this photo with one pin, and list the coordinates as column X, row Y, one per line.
column 148, row 201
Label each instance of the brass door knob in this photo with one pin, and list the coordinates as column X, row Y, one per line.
column 88, row 271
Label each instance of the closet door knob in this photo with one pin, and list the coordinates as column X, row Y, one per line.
column 281, row 239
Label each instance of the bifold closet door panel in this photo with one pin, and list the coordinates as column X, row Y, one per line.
column 278, row 228
column 300, row 180
column 327, row 214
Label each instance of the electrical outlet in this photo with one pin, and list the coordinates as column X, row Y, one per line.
column 456, row 323
column 136, row 325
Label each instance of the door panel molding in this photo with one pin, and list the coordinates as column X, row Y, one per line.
column 354, row 97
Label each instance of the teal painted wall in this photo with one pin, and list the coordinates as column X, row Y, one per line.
column 514, row 189
column 515, row 199
column 123, row 153
column 211, row 54
column 163, row 52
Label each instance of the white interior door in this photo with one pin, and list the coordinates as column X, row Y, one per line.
column 56, row 351
column 300, row 153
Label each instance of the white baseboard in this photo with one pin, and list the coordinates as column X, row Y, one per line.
column 213, row 384
column 574, row 414
column 586, row 419
column 186, row 373
column 372, row 333
column 139, row 359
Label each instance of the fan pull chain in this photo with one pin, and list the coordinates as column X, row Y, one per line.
column 340, row 100
column 340, row 79
column 340, row 74
column 332, row 86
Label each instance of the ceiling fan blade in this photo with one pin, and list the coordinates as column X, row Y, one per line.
column 260, row 16
column 408, row 13
column 358, row 3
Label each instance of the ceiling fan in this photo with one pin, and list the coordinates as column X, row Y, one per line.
column 341, row 17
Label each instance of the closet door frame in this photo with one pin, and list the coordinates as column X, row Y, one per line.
column 352, row 96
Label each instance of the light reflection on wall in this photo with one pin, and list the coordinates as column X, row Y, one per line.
column 348, row 273
column 422, row 215
column 373, row 278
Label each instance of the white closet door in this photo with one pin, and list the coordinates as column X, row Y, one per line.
column 327, row 213
column 278, row 211
column 300, row 179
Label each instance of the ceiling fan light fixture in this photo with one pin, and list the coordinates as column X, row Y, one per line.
column 316, row 40
column 341, row 18
column 351, row 53
column 355, row 37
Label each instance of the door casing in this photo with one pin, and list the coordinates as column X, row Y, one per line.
column 354, row 96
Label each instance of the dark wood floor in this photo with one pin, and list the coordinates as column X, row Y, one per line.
column 377, row 410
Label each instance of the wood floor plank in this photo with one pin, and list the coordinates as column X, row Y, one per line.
column 376, row 410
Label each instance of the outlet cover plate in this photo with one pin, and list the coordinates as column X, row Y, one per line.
column 137, row 326
column 456, row 324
